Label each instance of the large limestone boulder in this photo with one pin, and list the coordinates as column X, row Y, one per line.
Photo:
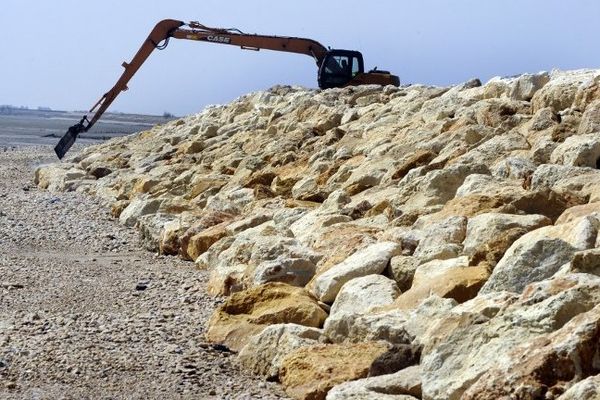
column 548, row 175
column 475, row 311
column 539, row 254
column 370, row 260
column 560, row 92
column 468, row 352
column 265, row 351
column 334, row 251
column 513, row 168
column 57, row 178
column 247, row 313
column 256, row 256
column 578, row 151
column 451, row 278
column 310, row 372
column 549, row 363
column 402, row 385
column 441, row 240
column 439, row 186
column 358, row 296
column 137, row 208
column 587, row 389
column 527, row 85
column 590, row 120
column 576, row 212
column 399, row 326
column 402, row 269
column 587, row 261
column 197, row 244
column 489, row 235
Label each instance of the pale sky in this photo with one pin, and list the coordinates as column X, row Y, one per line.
column 65, row 54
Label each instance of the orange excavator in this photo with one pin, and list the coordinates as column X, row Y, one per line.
column 336, row 68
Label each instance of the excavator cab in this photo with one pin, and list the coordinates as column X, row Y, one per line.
column 339, row 67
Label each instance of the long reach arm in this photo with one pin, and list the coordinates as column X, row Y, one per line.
column 337, row 68
column 158, row 39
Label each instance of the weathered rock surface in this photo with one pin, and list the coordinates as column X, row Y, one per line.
column 265, row 351
column 449, row 278
column 480, row 201
column 587, row 389
column 358, row 296
column 310, row 372
column 400, row 326
column 489, row 235
column 470, row 350
column 370, row 260
column 402, row 385
column 548, row 364
column 247, row 313
column 539, row 254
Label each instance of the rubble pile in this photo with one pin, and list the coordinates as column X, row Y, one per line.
column 380, row 242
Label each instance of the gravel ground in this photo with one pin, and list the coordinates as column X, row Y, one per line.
column 86, row 314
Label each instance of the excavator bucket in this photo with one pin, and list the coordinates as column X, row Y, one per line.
column 69, row 138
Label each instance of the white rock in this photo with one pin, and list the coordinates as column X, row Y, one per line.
column 57, row 179
column 578, row 151
column 254, row 220
column 293, row 271
column 548, row 175
column 433, row 268
column 264, row 352
column 336, row 201
column 491, row 150
column 402, row 385
column 466, row 353
column 590, row 120
column 477, row 184
column 587, row 389
column 537, row 255
column 485, row 228
column 137, row 208
column 304, row 187
column 369, row 260
column 437, row 235
column 402, row 269
column 513, row 168
column 559, row 93
column 358, row 296
column 400, row 326
column 527, row 84
column 439, row 186
column 255, row 255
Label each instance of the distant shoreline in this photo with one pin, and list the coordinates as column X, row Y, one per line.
column 25, row 127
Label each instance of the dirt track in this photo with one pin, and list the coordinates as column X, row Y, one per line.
column 85, row 313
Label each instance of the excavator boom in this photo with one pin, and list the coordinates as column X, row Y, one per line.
column 336, row 67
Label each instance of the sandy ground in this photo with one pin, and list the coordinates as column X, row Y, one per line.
column 86, row 314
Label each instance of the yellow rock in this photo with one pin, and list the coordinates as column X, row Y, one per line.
column 144, row 185
column 576, row 212
column 460, row 284
column 201, row 242
column 117, row 207
column 203, row 234
column 310, row 372
column 247, row 313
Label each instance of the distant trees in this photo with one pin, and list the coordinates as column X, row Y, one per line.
column 168, row 115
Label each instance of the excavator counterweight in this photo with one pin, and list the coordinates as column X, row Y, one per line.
column 336, row 68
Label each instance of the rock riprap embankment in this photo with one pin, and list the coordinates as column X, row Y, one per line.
column 421, row 242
